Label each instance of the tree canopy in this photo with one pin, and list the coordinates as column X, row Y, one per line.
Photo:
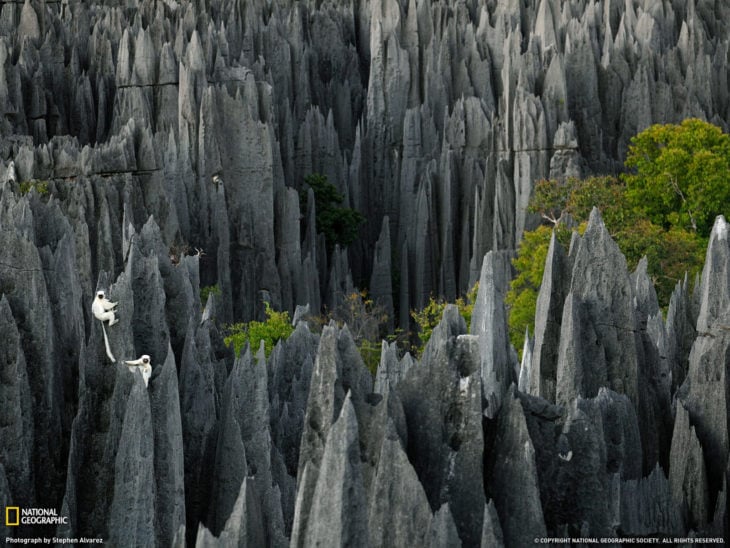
column 679, row 174
column 663, row 207
column 340, row 225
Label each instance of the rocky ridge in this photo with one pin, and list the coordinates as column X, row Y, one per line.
column 119, row 117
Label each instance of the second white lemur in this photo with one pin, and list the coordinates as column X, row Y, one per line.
column 145, row 366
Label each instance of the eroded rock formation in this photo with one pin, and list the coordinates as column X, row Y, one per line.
column 160, row 147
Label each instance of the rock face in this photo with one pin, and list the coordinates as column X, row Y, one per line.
column 158, row 148
column 433, row 120
column 704, row 391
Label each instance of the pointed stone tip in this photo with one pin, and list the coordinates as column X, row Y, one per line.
column 385, row 225
column 595, row 220
column 347, row 413
column 720, row 229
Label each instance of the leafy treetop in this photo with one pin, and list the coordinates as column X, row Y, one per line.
column 430, row 315
column 276, row 326
column 671, row 251
column 680, row 174
column 340, row 225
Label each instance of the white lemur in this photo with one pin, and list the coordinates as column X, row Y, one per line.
column 11, row 177
column 145, row 365
column 103, row 310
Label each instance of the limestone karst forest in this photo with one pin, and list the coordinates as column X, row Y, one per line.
column 323, row 177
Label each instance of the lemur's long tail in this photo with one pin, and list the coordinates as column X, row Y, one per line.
column 106, row 343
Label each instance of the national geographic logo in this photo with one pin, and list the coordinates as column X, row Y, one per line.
column 14, row 516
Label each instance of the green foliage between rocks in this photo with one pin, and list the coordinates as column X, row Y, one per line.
column 365, row 319
column 663, row 209
column 207, row 291
column 276, row 326
column 430, row 315
column 521, row 299
column 340, row 225
column 40, row 186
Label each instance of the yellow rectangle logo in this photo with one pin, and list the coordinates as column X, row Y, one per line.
column 9, row 510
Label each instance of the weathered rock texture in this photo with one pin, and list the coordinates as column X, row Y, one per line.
column 153, row 148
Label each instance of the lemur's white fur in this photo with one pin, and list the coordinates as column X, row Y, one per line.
column 103, row 310
column 143, row 363
column 11, row 177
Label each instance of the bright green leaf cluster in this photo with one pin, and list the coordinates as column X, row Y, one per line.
column 276, row 326
column 40, row 186
column 205, row 292
column 679, row 176
column 430, row 315
column 663, row 209
column 370, row 353
column 521, row 299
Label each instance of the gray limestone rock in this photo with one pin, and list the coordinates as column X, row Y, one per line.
column 6, row 501
column 291, row 365
column 443, row 530
column 655, row 377
column 338, row 371
column 491, row 530
column 16, row 432
column 337, row 367
column 442, row 402
column 598, row 346
column 433, row 121
column 681, row 333
column 548, row 321
column 132, row 508
column 398, row 512
column 229, row 467
column 381, row 289
column 647, row 506
column 598, row 446
column 644, row 292
column 526, row 364
column 391, row 370
column 704, row 392
column 249, row 382
column 339, row 513
column 513, row 477
column 22, row 281
column 198, row 397
column 244, row 527
column 169, row 459
column 687, row 474
column 489, row 324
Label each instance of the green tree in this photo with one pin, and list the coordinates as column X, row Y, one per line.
column 521, row 299
column 276, row 326
column 430, row 315
column 340, row 225
column 679, row 176
column 207, row 291
column 40, row 186
column 365, row 319
column 671, row 251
